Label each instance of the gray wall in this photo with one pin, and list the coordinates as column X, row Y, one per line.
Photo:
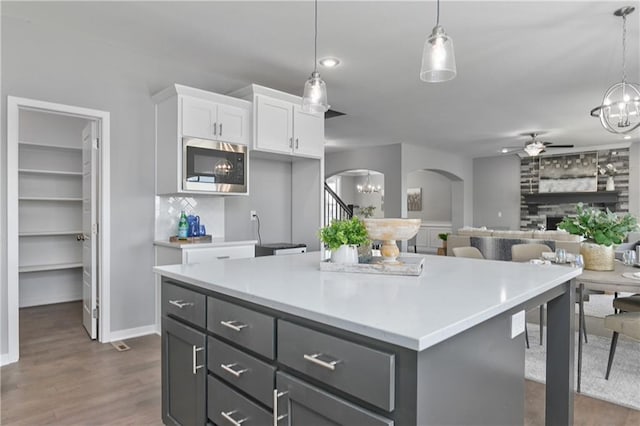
column 65, row 67
column 496, row 192
column 436, row 195
column 270, row 197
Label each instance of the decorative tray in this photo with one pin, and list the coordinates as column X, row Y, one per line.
column 195, row 240
column 373, row 265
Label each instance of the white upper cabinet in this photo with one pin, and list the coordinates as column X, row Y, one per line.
column 280, row 126
column 205, row 119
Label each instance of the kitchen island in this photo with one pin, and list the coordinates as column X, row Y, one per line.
column 275, row 340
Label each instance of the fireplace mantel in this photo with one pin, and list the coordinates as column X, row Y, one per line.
column 604, row 198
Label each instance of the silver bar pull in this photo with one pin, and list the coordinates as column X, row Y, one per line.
column 196, row 367
column 315, row 358
column 223, row 257
column 297, row 143
column 220, row 129
column 237, row 373
column 180, row 304
column 276, row 396
column 234, row 325
column 290, row 142
column 215, row 128
column 231, row 420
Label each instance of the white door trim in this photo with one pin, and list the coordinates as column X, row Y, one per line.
column 14, row 105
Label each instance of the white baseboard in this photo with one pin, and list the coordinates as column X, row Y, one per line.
column 7, row 359
column 130, row 333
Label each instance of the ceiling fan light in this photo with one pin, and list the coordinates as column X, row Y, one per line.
column 533, row 149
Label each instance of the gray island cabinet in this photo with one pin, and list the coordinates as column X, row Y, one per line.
column 276, row 341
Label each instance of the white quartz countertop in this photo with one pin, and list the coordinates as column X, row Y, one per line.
column 216, row 242
column 450, row 296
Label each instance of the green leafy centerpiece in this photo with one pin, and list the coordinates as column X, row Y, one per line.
column 602, row 231
column 343, row 237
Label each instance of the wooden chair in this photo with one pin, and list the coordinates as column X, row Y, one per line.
column 469, row 252
column 627, row 323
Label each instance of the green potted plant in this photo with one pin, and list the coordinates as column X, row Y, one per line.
column 343, row 237
column 443, row 237
column 601, row 231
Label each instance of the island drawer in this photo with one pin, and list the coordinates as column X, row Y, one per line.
column 183, row 303
column 250, row 329
column 366, row 373
column 225, row 406
column 241, row 370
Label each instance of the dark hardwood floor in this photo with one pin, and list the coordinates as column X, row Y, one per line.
column 66, row 379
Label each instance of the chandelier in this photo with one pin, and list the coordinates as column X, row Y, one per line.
column 368, row 188
column 620, row 109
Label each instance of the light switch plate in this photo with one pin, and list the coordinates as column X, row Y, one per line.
column 517, row 324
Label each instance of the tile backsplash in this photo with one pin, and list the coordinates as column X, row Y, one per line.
column 168, row 208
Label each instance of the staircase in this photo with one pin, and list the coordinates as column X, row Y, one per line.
column 334, row 207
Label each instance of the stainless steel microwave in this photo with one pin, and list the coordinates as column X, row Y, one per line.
column 211, row 166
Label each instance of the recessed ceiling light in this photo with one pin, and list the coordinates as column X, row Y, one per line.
column 504, row 150
column 627, row 137
column 329, row 62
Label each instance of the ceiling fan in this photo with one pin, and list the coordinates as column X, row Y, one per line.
column 533, row 146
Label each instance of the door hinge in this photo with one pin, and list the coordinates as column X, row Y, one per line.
column 94, row 314
column 94, row 228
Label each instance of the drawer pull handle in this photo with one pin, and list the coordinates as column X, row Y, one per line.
column 180, row 303
column 195, row 351
column 276, row 396
column 234, row 325
column 231, row 420
column 315, row 358
column 237, row 373
column 222, row 257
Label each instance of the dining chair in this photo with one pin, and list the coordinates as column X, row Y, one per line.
column 627, row 323
column 469, row 252
column 524, row 253
column 627, row 304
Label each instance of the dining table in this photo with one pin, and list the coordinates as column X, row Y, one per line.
column 618, row 280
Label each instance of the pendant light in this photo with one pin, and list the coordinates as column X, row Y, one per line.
column 438, row 59
column 314, row 98
column 620, row 109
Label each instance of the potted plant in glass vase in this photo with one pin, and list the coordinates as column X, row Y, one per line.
column 343, row 237
column 601, row 231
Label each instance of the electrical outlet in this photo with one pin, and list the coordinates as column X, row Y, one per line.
column 253, row 214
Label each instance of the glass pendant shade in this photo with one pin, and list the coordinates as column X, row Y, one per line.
column 438, row 59
column 314, row 98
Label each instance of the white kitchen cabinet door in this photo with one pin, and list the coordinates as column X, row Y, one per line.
column 308, row 133
column 198, row 118
column 233, row 125
column 274, row 125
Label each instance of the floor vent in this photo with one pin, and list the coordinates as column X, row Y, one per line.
column 120, row 346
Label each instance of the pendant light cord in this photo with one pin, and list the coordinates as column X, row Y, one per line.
column 438, row 13
column 315, row 38
column 624, row 48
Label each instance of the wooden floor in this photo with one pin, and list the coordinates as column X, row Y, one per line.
column 64, row 378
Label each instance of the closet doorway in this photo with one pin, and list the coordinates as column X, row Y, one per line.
column 58, row 212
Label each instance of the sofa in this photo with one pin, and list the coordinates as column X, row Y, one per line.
column 496, row 244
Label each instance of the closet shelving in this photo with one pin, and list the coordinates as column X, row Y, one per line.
column 50, row 219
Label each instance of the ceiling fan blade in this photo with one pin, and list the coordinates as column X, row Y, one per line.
column 560, row 146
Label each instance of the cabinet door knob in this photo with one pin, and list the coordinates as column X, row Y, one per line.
column 234, row 325
column 315, row 358
column 231, row 420
column 276, row 396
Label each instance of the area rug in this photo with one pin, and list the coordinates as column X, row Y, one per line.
column 623, row 386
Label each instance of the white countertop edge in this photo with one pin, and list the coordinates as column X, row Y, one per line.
column 408, row 342
column 214, row 243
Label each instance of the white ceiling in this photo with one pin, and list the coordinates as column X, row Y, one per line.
column 522, row 66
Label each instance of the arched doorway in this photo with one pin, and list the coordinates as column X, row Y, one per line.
column 361, row 190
